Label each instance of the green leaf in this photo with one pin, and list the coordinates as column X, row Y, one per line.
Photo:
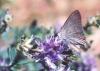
column 30, row 64
column 15, row 34
column 22, row 31
column 12, row 52
column 19, row 33
column 5, row 36
column 32, row 67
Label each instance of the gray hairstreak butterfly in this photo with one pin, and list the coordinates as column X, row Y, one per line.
column 72, row 31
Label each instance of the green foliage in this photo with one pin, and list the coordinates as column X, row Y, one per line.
column 12, row 52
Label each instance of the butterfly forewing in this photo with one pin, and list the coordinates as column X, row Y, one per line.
column 72, row 30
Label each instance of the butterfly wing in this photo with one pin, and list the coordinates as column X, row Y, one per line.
column 72, row 30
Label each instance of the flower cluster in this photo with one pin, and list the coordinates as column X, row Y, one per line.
column 92, row 21
column 57, row 55
column 52, row 51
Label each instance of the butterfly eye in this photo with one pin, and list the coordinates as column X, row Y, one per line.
column 8, row 18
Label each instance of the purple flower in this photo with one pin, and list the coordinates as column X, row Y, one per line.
column 1, row 60
column 51, row 50
column 88, row 59
column 51, row 46
column 4, row 61
column 55, row 53
column 87, row 63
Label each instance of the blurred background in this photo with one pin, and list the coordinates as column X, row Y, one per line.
column 50, row 12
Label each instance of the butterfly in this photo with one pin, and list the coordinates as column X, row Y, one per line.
column 72, row 30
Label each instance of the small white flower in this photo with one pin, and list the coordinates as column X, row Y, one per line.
column 8, row 18
column 94, row 69
column 27, row 44
column 27, row 55
column 37, row 60
column 61, row 57
column 92, row 20
column 24, row 48
column 69, row 69
column 50, row 64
